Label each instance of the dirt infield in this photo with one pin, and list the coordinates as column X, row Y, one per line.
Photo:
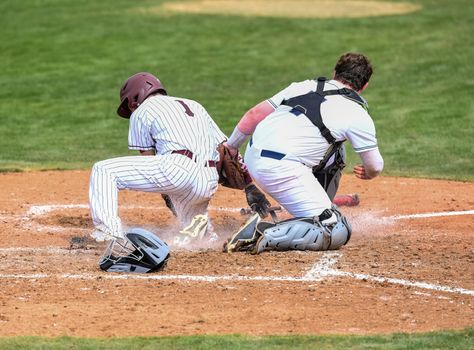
column 408, row 267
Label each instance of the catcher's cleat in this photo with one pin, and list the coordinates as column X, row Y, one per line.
column 245, row 238
column 196, row 230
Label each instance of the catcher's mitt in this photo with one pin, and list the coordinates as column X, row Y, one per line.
column 231, row 171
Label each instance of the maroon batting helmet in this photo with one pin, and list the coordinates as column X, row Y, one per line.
column 135, row 90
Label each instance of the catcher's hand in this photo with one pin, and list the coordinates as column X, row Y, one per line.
column 230, row 168
column 257, row 200
column 360, row 172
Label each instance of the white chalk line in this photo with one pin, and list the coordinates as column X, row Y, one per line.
column 322, row 269
column 431, row 215
column 190, row 278
column 44, row 209
column 25, row 276
column 406, row 283
column 44, row 250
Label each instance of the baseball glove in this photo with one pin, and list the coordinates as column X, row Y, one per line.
column 257, row 200
column 232, row 171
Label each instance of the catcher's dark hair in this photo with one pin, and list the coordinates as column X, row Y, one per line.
column 353, row 69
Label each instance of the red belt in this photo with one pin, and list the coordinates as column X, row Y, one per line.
column 190, row 155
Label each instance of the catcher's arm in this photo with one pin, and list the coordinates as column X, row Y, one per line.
column 372, row 165
column 248, row 123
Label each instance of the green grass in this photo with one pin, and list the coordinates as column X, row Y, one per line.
column 433, row 341
column 64, row 61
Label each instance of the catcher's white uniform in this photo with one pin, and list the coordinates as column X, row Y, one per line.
column 185, row 138
column 284, row 147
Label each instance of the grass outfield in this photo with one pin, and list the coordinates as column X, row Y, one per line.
column 64, row 61
column 432, row 341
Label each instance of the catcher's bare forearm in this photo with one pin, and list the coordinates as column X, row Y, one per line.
column 372, row 165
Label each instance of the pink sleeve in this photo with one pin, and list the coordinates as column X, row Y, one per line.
column 250, row 120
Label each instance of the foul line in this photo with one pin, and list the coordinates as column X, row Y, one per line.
column 44, row 209
column 322, row 269
column 44, row 250
column 432, row 215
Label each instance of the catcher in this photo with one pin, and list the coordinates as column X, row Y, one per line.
column 296, row 155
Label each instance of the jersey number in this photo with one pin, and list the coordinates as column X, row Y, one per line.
column 187, row 110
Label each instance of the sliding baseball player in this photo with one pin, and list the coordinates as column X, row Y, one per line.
column 177, row 140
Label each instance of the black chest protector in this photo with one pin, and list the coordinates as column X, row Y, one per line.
column 310, row 105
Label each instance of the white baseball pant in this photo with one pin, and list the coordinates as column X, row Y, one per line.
column 190, row 185
column 291, row 183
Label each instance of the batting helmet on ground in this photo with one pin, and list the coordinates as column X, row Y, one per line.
column 135, row 90
column 140, row 251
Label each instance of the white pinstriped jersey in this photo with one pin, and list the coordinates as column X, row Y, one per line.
column 299, row 139
column 166, row 123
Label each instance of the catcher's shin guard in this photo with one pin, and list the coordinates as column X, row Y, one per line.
column 304, row 234
column 139, row 252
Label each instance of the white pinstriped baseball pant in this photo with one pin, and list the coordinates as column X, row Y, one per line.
column 189, row 184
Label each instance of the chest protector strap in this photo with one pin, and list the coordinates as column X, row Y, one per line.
column 310, row 105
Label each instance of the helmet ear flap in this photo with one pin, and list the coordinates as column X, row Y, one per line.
column 124, row 109
column 133, row 103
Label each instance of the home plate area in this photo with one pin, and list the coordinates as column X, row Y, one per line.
column 407, row 268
